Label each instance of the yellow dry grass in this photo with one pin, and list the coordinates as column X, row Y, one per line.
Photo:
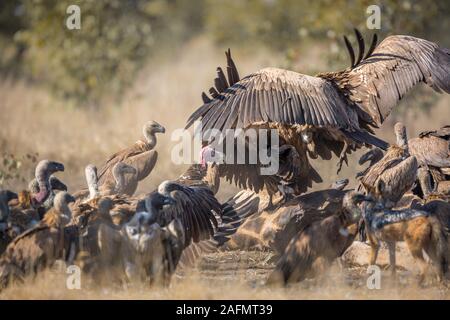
column 167, row 90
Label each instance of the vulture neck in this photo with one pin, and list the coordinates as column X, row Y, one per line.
column 425, row 181
column 212, row 177
column 58, row 216
column 93, row 189
column 43, row 180
column 120, row 181
column 151, row 139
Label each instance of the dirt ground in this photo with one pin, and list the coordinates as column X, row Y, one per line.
column 238, row 275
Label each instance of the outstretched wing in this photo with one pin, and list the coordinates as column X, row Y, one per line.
column 398, row 63
column 197, row 208
column 430, row 151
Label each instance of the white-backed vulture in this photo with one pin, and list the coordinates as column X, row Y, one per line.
column 432, row 150
column 154, row 239
column 43, row 172
column 40, row 246
column 140, row 156
column 317, row 245
column 397, row 170
column 331, row 112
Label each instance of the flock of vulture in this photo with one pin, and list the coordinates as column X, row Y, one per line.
column 402, row 195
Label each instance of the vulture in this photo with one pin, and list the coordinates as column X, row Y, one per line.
column 397, row 171
column 372, row 156
column 140, row 155
column 332, row 112
column 273, row 228
column 44, row 196
column 124, row 176
column 163, row 226
column 317, row 245
column 432, row 150
column 40, row 246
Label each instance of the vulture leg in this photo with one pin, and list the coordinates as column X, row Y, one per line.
column 343, row 157
column 391, row 248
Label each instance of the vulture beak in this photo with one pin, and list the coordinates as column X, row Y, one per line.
column 160, row 129
column 365, row 157
column 58, row 166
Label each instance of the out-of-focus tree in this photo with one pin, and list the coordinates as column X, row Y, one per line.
column 101, row 58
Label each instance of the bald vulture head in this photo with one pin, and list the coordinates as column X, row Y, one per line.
column 400, row 133
column 55, row 184
column 5, row 197
column 119, row 172
column 61, row 205
column 339, row 184
column 44, row 170
column 90, row 173
column 150, row 129
column 351, row 202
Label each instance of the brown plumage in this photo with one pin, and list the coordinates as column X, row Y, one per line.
column 273, row 229
column 316, row 246
column 40, row 246
column 140, row 155
column 432, row 150
column 336, row 110
column 397, row 171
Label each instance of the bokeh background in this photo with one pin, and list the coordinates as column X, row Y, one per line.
column 77, row 96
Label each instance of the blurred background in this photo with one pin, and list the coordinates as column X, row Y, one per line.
column 77, row 96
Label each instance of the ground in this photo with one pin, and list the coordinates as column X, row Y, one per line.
column 239, row 275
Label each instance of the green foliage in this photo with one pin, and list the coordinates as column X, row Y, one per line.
column 10, row 166
column 100, row 59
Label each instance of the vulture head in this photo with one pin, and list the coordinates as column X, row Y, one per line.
column 210, row 156
column 90, row 173
column 351, row 203
column 119, row 172
column 400, row 134
column 55, row 184
column 44, row 170
column 5, row 197
column 339, row 184
column 151, row 128
column 372, row 156
column 61, row 206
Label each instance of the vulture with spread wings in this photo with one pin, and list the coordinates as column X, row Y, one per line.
column 332, row 112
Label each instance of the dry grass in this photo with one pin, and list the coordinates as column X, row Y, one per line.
column 168, row 90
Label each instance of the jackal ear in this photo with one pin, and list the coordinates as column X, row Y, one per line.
column 380, row 187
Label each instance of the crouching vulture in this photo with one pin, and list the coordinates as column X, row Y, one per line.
column 40, row 246
column 319, row 244
column 319, row 115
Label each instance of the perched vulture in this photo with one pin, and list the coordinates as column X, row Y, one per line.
column 319, row 115
column 40, row 246
column 432, row 150
column 397, row 171
column 140, row 156
column 44, row 196
column 317, row 245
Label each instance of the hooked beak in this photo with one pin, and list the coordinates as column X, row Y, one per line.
column 58, row 166
column 161, row 129
column 365, row 157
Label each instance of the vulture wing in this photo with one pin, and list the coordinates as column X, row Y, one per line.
column 136, row 149
column 430, row 151
column 197, row 209
column 395, row 66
